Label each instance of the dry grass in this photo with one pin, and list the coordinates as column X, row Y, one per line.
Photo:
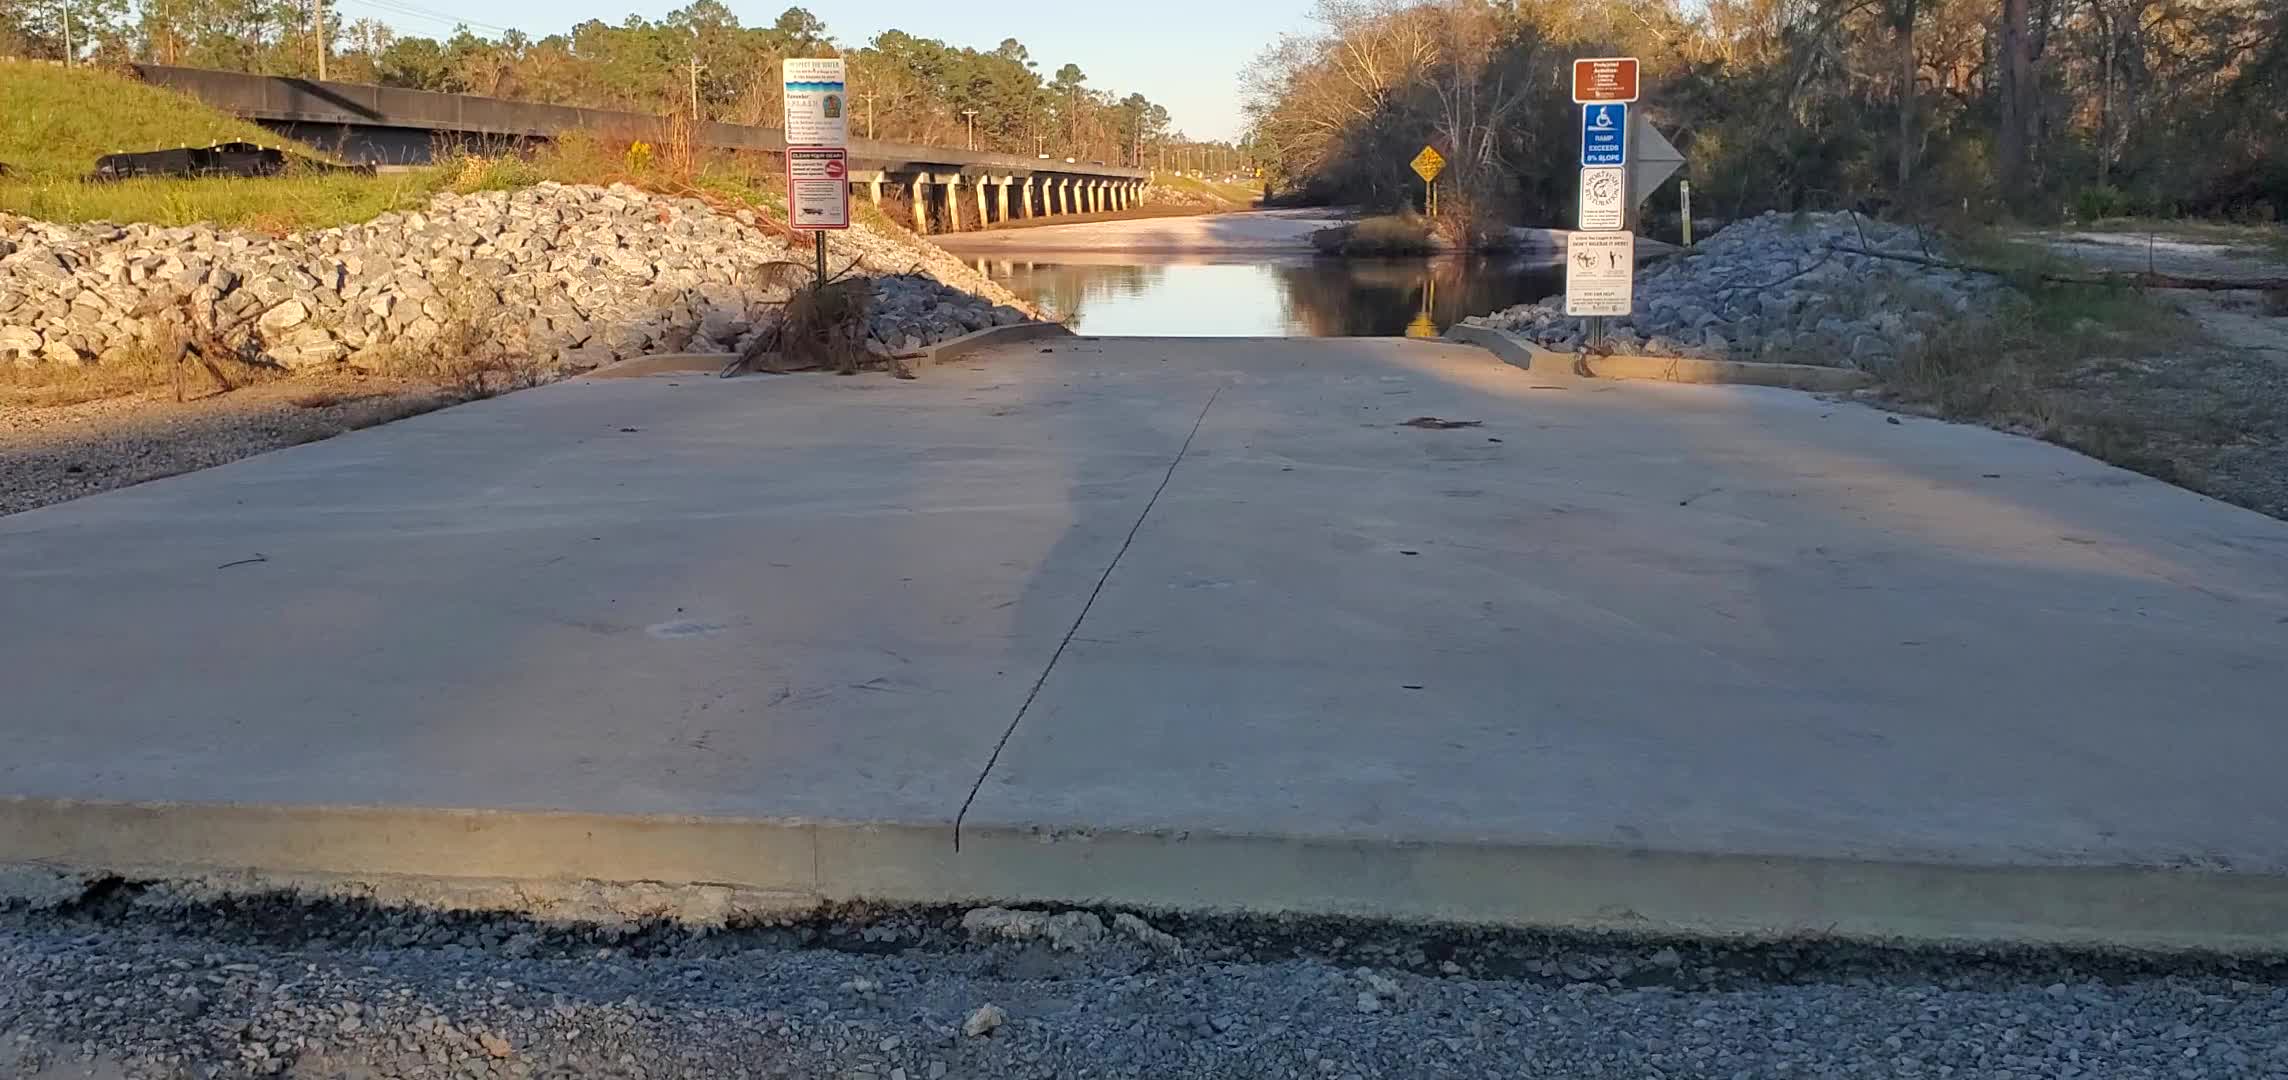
column 1387, row 234
column 2115, row 373
column 185, row 374
column 825, row 326
column 473, row 355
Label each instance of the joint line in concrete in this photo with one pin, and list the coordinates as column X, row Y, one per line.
column 1074, row 629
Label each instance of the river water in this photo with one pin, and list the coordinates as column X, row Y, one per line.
column 1283, row 294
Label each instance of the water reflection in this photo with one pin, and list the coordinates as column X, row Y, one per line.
column 1272, row 296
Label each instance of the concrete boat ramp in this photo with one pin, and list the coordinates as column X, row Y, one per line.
column 1179, row 623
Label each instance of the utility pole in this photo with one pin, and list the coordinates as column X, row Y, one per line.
column 971, row 116
column 318, row 20
column 695, row 82
column 869, row 116
column 67, row 34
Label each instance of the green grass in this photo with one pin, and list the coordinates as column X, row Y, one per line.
column 273, row 205
column 54, row 123
column 1236, row 196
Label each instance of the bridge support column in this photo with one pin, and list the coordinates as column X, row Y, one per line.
column 874, row 190
column 953, row 202
column 1001, row 188
column 921, row 204
column 1025, row 198
column 1119, row 196
column 984, row 217
column 1096, row 196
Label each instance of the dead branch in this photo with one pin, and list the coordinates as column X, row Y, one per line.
column 2143, row 279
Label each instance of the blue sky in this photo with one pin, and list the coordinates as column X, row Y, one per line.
column 1184, row 54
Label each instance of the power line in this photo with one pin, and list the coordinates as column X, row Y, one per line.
column 413, row 11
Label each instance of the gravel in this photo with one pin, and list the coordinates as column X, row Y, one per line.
column 273, row 986
column 566, row 277
column 1778, row 288
column 49, row 454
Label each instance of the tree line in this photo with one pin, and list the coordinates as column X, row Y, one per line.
column 696, row 61
column 2034, row 108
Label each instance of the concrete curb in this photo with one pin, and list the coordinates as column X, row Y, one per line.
column 779, row 865
column 661, row 364
column 1525, row 354
column 977, row 341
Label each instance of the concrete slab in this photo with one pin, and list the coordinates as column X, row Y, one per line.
column 819, row 598
column 1722, row 621
column 1721, row 658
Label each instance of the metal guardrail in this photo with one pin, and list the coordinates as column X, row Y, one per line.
column 285, row 99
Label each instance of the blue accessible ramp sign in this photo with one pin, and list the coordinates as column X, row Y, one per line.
column 1605, row 134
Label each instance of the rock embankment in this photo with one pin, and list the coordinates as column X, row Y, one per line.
column 1778, row 287
column 567, row 277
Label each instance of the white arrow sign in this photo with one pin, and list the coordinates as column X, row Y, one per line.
column 1652, row 160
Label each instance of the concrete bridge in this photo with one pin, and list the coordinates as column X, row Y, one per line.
column 945, row 189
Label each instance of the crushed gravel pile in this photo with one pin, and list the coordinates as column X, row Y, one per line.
column 568, row 276
column 1779, row 288
column 272, row 987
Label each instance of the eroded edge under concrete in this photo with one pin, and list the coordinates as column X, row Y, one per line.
column 577, row 866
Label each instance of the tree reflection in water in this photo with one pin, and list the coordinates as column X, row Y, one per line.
column 1286, row 295
column 1066, row 289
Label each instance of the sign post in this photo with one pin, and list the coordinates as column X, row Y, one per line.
column 1600, row 273
column 1600, row 255
column 1427, row 165
column 1684, row 193
column 818, row 149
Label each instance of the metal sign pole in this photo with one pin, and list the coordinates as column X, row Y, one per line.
column 1684, row 192
column 821, row 258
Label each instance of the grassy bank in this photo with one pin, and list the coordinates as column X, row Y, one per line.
column 54, row 123
column 1386, row 235
column 1223, row 194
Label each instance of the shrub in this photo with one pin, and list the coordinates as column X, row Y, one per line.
column 2102, row 201
column 1389, row 234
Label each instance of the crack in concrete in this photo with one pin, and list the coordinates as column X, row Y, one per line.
column 1074, row 629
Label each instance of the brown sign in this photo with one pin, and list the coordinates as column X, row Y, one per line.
column 1610, row 78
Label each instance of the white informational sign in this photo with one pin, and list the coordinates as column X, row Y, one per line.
column 817, row 104
column 1600, row 273
column 818, row 187
column 1604, row 198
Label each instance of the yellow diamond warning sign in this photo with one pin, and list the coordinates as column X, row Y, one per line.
column 1429, row 163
